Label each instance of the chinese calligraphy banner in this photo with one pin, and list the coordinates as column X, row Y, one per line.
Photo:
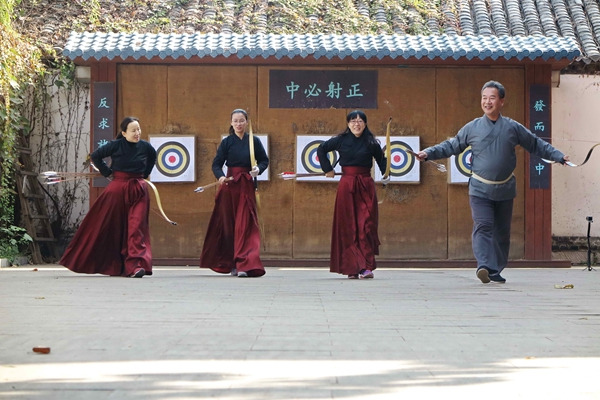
column 539, row 123
column 322, row 89
column 103, row 104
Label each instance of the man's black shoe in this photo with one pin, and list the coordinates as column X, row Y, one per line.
column 497, row 278
column 484, row 275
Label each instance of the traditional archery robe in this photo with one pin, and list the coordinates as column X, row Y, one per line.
column 233, row 235
column 494, row 160
column 114, row 237
column 493, row 153
column 354, row 239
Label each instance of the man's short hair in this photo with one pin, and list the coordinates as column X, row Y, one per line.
column 497, row 85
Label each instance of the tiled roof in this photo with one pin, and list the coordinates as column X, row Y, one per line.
column 108, row 46
column 576, row 19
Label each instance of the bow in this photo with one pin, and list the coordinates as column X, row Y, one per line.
column 252, row 165
column 570, row 164
column 252, row 156
column 388, row 150
column 158, row 202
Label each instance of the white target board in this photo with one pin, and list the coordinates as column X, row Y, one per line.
column 264, row 140
column 405, row 167
column 307, row 160
column 175, row 158
column 460, row 167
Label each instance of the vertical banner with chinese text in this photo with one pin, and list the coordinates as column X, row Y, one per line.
column 539, row 123
column 103, row 106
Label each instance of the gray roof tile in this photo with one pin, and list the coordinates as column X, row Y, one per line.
column 109, row 46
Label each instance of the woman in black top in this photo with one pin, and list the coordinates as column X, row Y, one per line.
column 114, row 237
column 354, row 239
column 232, row 243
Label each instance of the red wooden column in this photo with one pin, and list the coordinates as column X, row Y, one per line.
column 538, row 202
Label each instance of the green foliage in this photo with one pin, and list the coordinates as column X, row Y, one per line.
column 19, row 66
column 13, row 241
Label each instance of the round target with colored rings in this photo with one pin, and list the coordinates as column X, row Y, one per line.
column 310, row 160
column 172, row 159
column 402, row 161
column 463, row 162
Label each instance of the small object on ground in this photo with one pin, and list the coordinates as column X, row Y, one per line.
column 41, row 350
column 569, row 286
column 34, row 270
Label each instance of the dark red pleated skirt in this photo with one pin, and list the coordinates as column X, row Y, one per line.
column 354, row 239
column 233, row 234
column 114, row 237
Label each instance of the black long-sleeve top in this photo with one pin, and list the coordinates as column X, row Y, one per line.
column 353, row 151
column 236, row 153
column 136, row 158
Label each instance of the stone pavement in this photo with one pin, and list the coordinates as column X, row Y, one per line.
column 186, row 333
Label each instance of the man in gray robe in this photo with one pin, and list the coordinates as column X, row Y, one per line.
column 492, row 186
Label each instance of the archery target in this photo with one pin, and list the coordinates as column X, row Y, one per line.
column 172, row 159
column 264, row 140
column 404, row 166
column 307, row 160
column 175, row 159
column 460, row 166
column 310, row 160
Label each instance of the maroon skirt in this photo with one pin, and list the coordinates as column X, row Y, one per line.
column 233, row 235
column 354, row 239
column 114, row 237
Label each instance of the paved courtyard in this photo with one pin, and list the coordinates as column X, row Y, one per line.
column 186, row 333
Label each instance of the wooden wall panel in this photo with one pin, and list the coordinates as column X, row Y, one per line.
column 405, row 228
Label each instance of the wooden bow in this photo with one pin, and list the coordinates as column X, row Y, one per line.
column 252, row 165
column 158, row 202
column 388, row 150
column 252, row 155
column 570, row 164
